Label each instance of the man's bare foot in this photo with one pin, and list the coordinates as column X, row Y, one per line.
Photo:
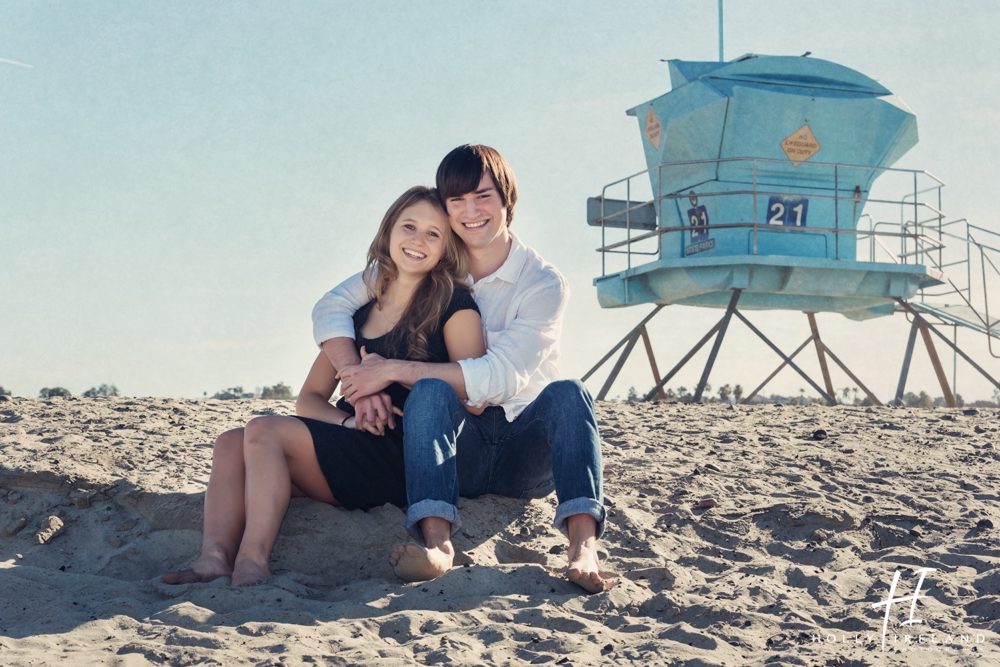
column 582, row 554
column 413, row 562
column 248, row 573
column 584, row 571
column 203, row 570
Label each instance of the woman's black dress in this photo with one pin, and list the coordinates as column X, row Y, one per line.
column 366, row 470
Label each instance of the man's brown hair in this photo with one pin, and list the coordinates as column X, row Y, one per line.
column 461, row 170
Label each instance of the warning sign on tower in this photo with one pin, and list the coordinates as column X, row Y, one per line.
column 653, row 128
column 799, row 146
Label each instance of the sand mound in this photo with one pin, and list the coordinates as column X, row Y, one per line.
column 99, row 496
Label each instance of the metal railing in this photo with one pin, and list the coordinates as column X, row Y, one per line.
column 985, row 257
column 968, row 247
column 923, row 235
column 912, row 237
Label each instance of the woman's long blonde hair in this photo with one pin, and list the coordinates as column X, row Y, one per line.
column 411, row 335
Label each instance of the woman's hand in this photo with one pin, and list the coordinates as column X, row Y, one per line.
column 375, row 412
column 371, row 376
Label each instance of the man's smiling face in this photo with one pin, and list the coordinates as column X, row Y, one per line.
column 479, row 217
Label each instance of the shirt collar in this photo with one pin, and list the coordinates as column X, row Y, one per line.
column 510, row 270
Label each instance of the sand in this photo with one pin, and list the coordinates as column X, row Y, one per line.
column 99, row 496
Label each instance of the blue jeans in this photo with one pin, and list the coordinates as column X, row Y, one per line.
column 553, row 444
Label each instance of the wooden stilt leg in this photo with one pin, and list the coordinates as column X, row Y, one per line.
column 949, row 398
column 822, row 357
column 953, row 346
column 652, row 363
column 680, row 364
column 829, row 399
column 851, row 375
column 624, row 340
column 618, row 366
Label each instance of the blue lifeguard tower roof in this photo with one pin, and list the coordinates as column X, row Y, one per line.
column 772, row 70
column 761, row 169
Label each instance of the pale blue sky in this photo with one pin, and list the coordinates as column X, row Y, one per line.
column 180, row 182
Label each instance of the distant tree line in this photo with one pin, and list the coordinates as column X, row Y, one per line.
column 93, row 392
column 103, row 390
column 726, row 394
column 846, row 396
column 279, row 392
column 231, row 393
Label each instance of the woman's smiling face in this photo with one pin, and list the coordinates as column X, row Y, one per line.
column 417, row 241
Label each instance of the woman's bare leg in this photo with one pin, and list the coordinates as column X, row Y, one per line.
column 225, row 514
column 278, row 453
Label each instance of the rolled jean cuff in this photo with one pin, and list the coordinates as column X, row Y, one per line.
column 587, row 506
column 428, row 508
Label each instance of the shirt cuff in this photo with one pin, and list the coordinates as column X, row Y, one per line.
column 332, row 331
column 476, row 373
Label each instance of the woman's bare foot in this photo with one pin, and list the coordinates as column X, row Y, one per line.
column 412, row 562
column 248, row 573
column 202, row 570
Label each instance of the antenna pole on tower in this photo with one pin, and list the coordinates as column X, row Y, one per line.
column 721, row 58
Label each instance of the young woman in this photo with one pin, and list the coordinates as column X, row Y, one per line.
column 421, row 309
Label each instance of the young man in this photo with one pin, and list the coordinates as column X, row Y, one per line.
column 537, row 433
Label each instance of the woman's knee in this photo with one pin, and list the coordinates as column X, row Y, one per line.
column 263, row 432
column 263, row 435
column 229, row 446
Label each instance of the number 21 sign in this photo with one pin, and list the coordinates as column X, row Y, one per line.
column 698, row 217
column 786, row 211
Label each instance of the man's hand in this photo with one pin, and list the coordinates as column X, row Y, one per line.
column 372, row 375
column 374, row 412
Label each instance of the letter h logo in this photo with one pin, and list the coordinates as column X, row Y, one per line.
column 892, row 600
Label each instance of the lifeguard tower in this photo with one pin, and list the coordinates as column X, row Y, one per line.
column 759, row 196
